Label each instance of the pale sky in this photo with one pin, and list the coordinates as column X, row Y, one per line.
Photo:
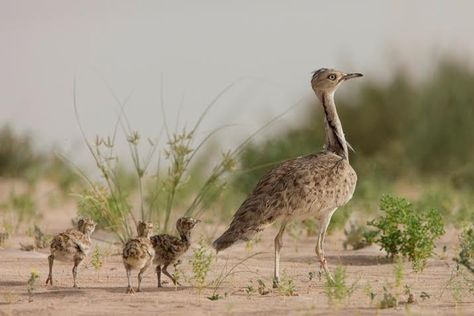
column 196, row 48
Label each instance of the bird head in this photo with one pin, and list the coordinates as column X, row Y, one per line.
column 185, row 224
column 144, row 229
column 326, row 80
column 86, row 225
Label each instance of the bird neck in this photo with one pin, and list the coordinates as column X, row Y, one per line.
column 335, row 140
column 185, row 236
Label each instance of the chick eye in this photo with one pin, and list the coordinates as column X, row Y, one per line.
column 332, row 77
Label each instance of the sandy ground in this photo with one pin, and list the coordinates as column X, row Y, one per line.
column 103, row 292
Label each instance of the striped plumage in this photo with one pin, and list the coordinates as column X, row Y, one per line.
column 168, row 249
column 71, row 245
column 138, row 253
column 310, row 186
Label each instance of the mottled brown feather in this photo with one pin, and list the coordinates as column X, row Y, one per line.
column 302, row 187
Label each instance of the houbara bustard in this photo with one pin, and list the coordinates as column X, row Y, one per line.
column 168, row 249
column 71, row 245
column 138, row 254
column 310, row 186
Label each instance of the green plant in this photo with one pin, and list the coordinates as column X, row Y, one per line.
column 18, row 157
column 336, row 289
column 201, row 264
column 159, row 194
column 409, row 294
column 466, row 245
column 21, row 209
column 41, row 240
column 388, row 300
column 357, row 237
column 97, row 259
column 399, row 272
column 311, row 227
column 249, row 290
column 262, row 288
column 215, row 297
column 31, row 284
column 406, row 231
column 4, row 236
column 253, row 242
column 369, row 291
column 287, row 286
column 227, row 271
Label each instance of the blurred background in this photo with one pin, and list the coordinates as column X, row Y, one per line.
column 410, row 119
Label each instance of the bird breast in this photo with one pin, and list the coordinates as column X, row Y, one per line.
column 310, row 185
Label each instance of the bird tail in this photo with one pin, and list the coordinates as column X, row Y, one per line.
column 236, row 233
column 228, row 238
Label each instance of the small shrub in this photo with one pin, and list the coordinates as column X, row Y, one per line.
column 369, row 291
column 337, row 290
column 41, row 239
column 215, row 297
column 406, row 231
column 311, row 227
column 466, row 253
column 357, row 237
column 18, row 157
column 4, row 236
column 31, row 284
column 262, row 288
column 97, row 259
column 22, row 209
column 249, row 290
column 388, row 300
column 399, row 272
column 201, row 263
column 287, row 287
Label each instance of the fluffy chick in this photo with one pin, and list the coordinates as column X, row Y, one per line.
column 138, row 253
column 168, row 249
column 71, row 245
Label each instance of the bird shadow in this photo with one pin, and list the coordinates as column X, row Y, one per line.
column 12, row 283
column 57, row 292
column 122, row 289
column 348, row 260
column 168, row 289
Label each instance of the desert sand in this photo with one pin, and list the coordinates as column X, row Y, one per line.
column 102, row 292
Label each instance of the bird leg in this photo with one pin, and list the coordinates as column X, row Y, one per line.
column 140, row 277
column 129, row 287
column 278, row 245
column 165, row 272
column 324, row 223
column 158, row 274
column 50, row 275
column 77, row 261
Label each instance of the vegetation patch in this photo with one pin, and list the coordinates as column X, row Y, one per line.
column 407, row 231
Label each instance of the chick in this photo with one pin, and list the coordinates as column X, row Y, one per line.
column 138, row 253
column 71, row 245
column 168, row 249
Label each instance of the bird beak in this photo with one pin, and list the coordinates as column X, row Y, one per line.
column 197, row 221
column 353, row 75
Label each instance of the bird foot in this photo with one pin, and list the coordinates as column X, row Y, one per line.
column 323, row 269
column 49, row 280
column 130, row 290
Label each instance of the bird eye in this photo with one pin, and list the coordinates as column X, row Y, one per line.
column 332, row 77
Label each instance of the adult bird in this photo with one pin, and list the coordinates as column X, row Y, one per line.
column 309, row 186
